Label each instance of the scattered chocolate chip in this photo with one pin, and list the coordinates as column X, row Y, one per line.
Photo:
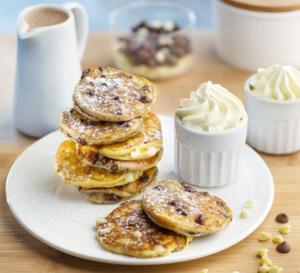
column 282, row 218
column 81, row 141
column 220, row 203
column 146, row 88
column 182, row 211
column 205, row 193
column 85, row 73
column 159, row 187
column 130, row 77
column 193, row 232
column 91, row 83
column 144, row 178
column 187, row 187
column 283, row 247
column 114, row 168
column 119, row 112
column 173, row 203
column 68, row 135
column 100, row 68
column 104, row 160
column 226, row 215
column 90, row 92
column 104, row 84
column 145, row 99
column 103, row 76
column 116, row 98
column 200, row 219
column 112, row 197
column 94, row 158
column 125, row 124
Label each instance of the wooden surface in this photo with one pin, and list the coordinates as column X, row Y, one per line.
column 21, row 252
column 266, row 5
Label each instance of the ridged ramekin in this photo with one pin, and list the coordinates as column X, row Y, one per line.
column 273, row 126
column 249, row 39
column 209, row 159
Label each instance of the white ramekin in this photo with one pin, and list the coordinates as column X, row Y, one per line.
column 251, row 39
column 209, row 159
column 273, row 126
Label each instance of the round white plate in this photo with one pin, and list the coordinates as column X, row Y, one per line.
column 60, row 216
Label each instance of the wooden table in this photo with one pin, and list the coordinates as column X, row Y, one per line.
column 21, row 252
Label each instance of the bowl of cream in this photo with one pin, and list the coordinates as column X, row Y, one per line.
column 210, row 136
column 272, row 101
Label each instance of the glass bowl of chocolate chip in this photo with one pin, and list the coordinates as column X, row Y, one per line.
column 153, row 39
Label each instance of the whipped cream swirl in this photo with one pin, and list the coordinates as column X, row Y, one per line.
column 211, row 108
column 278, row 82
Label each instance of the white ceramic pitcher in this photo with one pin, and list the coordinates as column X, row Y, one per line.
column 48, row 68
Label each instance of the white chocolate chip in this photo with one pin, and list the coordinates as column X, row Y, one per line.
column 245, row 213
column 266, row 261
column 275, row 269
column 169, row 26
column 263, row 252
column 137, row 234
column 141, row 34
column 101, row 220
column 277, row 239
column 250, row 203
column 263, row 269
column 285, row 229
column 160, row 56
column 264, row 236
column 204, row 271
column 165, row 40
column 156, row 24
column 104, row 231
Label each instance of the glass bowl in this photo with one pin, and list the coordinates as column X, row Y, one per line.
column 153, row 39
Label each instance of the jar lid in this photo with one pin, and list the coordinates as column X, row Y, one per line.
column 266, row 5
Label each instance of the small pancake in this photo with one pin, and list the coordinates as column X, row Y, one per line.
column 143, row 145
column 178, row 206
column 105, row 93
column 74, row 172
column 120, row 193
column 89, row 157
column 87, row 132
column 129, row 231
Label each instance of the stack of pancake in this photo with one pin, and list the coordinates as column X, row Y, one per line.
column 115, row 142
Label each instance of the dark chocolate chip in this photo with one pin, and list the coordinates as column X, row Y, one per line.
column 112, row 197
column 100, row 68
column 68, row 135
column 125, row 124
column 116, row 98
column 173, row 203
column 200, row 219
column 182, row 211
column 90, row 92
column 104, row 160
column 114, row 168
column 226, row 215
column 103, row 76
column 104, row 84
column 283, row 247
column 119, row 112
column 85, row 73
column 81, row 141
column 146, row 88
column 91, row 83
column 282, row 218
column 94, row 158
column 205, row 193
column 187, row 187
column 144, row 178
column 159, row 187
column 220, row 203
column 145, row 99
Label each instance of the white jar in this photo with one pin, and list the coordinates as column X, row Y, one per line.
column 249, row 39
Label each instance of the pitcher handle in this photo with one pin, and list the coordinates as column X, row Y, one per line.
column 82, row 24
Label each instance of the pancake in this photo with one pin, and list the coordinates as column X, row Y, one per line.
column 74, row 172
column 178, row 206
column 87, row 132
column 105, row 93
column 128, row 231
column 143, row 145
column 114, row 165
column 120, row 193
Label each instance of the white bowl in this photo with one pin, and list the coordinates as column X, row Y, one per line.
column 209, row 159
column 250, row 39
column 273, row 126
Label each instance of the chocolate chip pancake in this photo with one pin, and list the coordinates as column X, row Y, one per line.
column 89, row 157
column 143, row 145
column 87, row 132
column 74, row 172
column 127, row 230
column 105, row 93
column 178, row 206
column 120, row 193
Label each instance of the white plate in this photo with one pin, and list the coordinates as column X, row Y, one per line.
column 59, row 215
